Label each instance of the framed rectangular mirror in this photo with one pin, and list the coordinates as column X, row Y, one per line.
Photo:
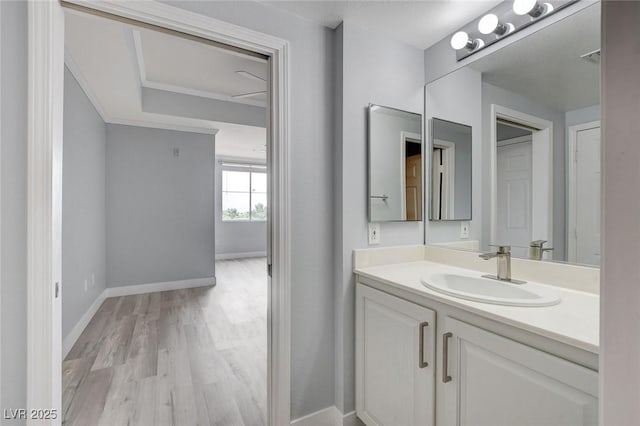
column 395, row 165
column 450, row 171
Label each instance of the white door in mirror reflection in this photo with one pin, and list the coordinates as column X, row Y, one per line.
column 443, row 160
column 587, row 184
column 514, row 196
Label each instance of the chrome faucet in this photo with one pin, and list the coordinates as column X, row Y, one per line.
column 536, row 249
column 503, row 258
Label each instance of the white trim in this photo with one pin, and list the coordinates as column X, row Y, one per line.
column 245, row 255
column 163, row 126
column 75, row 70
column 44, row 202
column 325, row 417
column 572, row 214
column 404, row 136
column 72, row 337
column 329, row 416
column 128, row 290
column 449, row 178
column 542, row 184
column 1, row 144
column 45, row 101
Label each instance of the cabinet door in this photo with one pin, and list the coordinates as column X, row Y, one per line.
column 494, row 381
column 394, row 360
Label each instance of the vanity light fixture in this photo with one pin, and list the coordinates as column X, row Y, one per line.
column 531, row 7
column 491, row 24
column 505, row 19
column 461, row 40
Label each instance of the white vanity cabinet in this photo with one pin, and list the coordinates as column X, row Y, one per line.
column 488, row 380
column 395, row 360
column 474, row 378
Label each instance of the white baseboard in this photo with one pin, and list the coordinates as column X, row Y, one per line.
column 128, row 290
column 71, row 338
column 329, row 416
column 224, row 256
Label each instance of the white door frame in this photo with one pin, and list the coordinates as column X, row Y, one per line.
column 572, row 213
column 449, row 178
column 44, row 164
column 404, row 138
column 542, row 171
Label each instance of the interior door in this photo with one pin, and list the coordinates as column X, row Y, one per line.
column 514, row 196
column 413, row 187
column 588, row 178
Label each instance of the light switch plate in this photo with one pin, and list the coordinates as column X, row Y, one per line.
column 464, row 230
column 374, row 234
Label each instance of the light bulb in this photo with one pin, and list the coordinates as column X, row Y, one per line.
column 529, row 7
column 488, row 24
column 461, row 40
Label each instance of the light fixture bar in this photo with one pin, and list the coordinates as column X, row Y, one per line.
column 500, row 22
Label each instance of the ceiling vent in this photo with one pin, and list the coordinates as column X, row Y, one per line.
column 593, row 57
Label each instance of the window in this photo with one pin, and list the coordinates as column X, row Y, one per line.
column 244, row 194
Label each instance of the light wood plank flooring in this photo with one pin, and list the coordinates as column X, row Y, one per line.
column 185, row 357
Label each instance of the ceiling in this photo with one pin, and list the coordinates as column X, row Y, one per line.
column 113, row 61
column 546, row 66
column 417, row 23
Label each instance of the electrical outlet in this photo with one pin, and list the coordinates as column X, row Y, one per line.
column 85, row 285
column 464, row 230
column 374, row 234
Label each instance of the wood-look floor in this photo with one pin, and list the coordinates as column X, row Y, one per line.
column 185, row 357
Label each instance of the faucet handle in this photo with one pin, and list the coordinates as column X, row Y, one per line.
column 537, row 243
column 502, row 249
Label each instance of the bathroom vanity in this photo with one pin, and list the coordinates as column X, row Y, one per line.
column 427, row 358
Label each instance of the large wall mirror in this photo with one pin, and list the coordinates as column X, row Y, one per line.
column 534, row 110
column 450, row 155
column 395, row 165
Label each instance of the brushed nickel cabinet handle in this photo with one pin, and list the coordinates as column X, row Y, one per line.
column 421, row 362
column 445, row 357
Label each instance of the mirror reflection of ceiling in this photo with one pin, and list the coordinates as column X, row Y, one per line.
column 142, row 77
column 546, row 66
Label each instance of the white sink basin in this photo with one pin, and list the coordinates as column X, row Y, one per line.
column 486, row 290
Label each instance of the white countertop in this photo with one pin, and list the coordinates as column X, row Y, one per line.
column 574, row 321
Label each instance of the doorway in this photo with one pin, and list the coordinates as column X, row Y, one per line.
column 536, row 220
column 46, row 53
column 584, row 198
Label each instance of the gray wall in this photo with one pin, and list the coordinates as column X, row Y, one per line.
column 83, row 205
column 311, row 121
column 582, row 115
column 13, row 169
column 620, row 293
column 443, row 101
column 160, row 217
column 375, row 70
column 236, row 237
column 496, row 95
